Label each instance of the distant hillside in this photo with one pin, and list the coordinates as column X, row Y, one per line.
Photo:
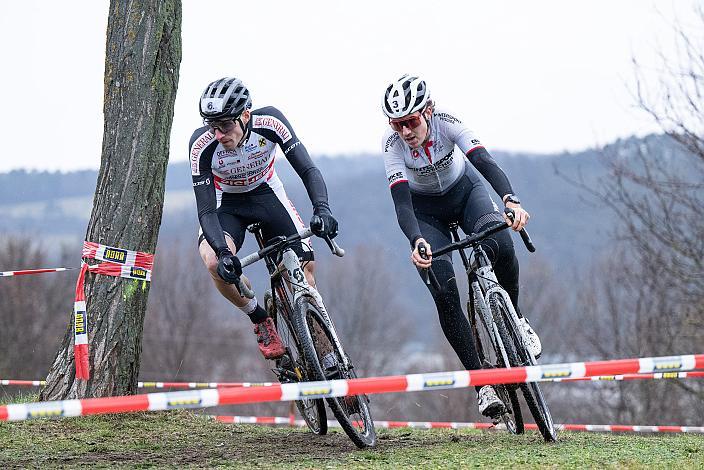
column 58, row 205
column 568, row 230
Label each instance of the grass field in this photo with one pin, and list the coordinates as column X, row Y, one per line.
column 182, row 438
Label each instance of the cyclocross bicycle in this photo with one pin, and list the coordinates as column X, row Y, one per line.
column 313, row 348
column 494, row 322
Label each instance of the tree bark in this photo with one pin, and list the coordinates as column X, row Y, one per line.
column 142, row 61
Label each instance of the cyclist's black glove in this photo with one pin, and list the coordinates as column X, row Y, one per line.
column 323, row 224
column 229, row 267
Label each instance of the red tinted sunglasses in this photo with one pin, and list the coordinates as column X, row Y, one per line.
column 410, row 122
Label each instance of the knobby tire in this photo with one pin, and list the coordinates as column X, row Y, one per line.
column 316, row 341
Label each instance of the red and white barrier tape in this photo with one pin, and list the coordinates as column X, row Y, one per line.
column 202, row 384
column 655, row 376
column 290, row 421
column 111, row 254
column 115, row 262
column 24, row 272
column 23, row 383
column 336, row 388
column 80, row 328
column 37, row 383
column 458, row 425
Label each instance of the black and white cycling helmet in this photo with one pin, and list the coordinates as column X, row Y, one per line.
column 404, row 96
column 226, row 98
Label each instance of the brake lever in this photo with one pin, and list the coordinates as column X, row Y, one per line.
column 427, row 273
column 524, row 235
column 334, row 247
column 243, row 289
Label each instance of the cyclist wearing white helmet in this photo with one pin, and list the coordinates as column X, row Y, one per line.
column 433, row 185
column 235, row 183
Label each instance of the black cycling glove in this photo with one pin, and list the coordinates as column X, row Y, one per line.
column 323, row 224
column 229, row 267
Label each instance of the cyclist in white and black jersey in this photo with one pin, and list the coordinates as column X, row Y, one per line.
column 434, row 184
column 235, row 183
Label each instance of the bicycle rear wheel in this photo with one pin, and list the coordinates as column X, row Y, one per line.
column 291, row 367
column 325, row 362
column 510, row 334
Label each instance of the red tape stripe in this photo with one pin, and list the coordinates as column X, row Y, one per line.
column 24, row 272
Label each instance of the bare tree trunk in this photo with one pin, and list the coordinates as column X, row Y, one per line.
column 141, row 76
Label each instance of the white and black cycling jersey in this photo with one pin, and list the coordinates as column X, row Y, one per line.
column 250, row 164
column 247, row 168
column 437, row 165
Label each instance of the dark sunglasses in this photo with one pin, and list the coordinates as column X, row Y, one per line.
column 222, row 126
column 410, row 122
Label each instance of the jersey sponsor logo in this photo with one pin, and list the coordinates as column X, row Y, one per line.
column 395, row 177
column 475, row 142
column 298, row 142
column 256, row 155
column 391, row 141
column 448, row 118
column 225, row 153
column 197, row 148
column 270, row 122
column 440, row 165
column 415, row 154
column 262, row 141
column 246, row 178
column 250, row 147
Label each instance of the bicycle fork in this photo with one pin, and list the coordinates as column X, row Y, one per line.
column 300, row 287
column 490, row 285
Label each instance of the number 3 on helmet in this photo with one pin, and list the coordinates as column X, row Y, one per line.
column 404, row 96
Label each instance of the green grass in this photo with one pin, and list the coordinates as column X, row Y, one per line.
column 181, row 438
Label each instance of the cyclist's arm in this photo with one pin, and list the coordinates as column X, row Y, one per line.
column 201, row 152
column 490, row 170
column 400, row 190
column 477, row 155
column 283, row 134
column 401, row 194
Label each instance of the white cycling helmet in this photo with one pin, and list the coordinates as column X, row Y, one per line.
column 404, row 96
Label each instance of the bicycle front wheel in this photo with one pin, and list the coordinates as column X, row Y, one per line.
column 291, row 367
column 510, row 333
column 325, row 362
column 490, row 357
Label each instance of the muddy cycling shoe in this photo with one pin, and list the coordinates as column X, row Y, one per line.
column 489, row 403
column 532, row 341
column 268, row 339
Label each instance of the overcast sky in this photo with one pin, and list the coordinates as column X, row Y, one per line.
column 541, row 76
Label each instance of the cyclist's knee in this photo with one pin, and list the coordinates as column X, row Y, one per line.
column 499, row 247
column 309, row 271
column 210, row 260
